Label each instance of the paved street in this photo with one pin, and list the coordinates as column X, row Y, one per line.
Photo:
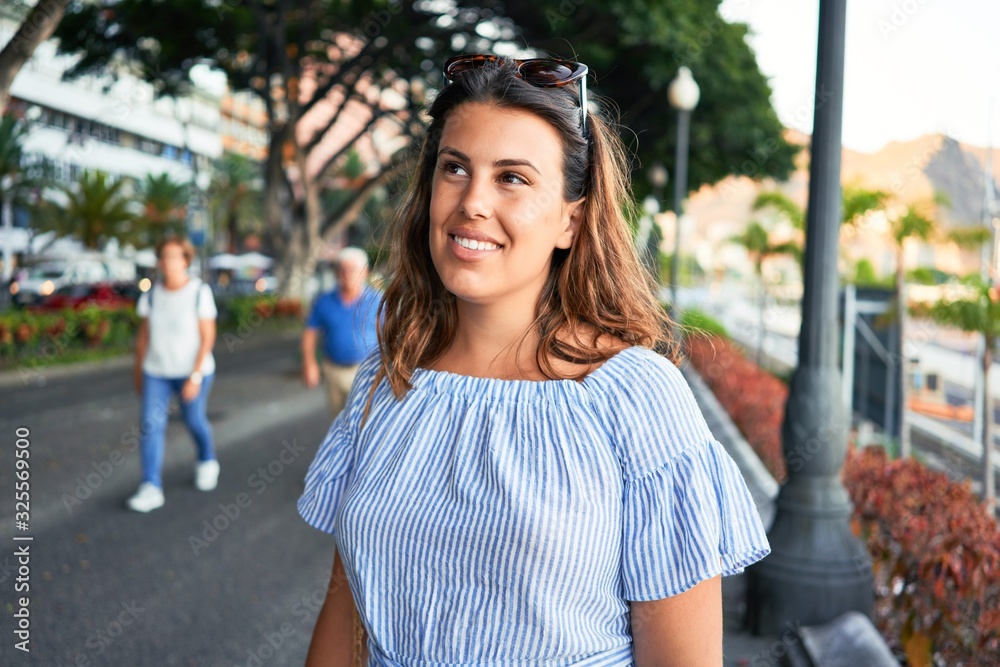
column 193, row 583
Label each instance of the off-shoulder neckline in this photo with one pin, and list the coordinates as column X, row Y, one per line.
column 451, row 382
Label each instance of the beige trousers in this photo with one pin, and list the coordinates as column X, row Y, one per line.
column 337, row 380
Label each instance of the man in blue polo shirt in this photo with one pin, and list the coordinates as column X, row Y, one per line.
column 345, row 318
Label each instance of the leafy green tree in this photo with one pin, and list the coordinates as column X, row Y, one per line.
column 346, row 53
column 164, row 208
column 979, row 313
column 95, row 211
column 756, row 239
column 634, row 49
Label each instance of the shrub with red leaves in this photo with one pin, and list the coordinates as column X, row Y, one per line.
column 936, row 558
column 288, row 308
column 935, row 550
column 754, row 399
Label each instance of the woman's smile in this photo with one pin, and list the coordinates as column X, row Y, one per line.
column 469, row 245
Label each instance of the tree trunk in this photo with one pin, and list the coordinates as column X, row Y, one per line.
column 989, row 477
column 276, row 197
column 299, row 262
column 39, row 25
column 904, row 364
column 232, row 222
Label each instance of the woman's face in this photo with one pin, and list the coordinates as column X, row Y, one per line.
column 497, row 209
column 172, row 263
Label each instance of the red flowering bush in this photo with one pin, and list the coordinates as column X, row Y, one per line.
column 754, row 399
column 936, row 559
column 935, row 550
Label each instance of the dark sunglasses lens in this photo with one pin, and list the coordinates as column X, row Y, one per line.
column 547, row 72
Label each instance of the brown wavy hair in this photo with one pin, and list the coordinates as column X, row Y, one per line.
column 599, row 282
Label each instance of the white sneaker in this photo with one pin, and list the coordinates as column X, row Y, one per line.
column 148, row 497
column 206, row 475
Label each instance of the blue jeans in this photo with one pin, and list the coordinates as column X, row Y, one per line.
column 156, row 393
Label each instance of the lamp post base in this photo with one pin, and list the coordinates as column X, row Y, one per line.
column 817, row 569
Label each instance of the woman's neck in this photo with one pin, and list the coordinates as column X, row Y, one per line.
column 493, row 341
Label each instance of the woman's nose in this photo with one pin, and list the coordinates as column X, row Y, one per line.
column 476, row 201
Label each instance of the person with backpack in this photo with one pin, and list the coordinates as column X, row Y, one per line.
column 173, row 356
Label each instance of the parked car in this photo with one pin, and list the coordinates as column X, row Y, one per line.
column 76, row 297
column 45, row 279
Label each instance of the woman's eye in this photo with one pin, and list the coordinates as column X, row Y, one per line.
column 452, row 168
column 511, row 177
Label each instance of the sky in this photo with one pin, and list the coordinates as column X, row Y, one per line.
column 913, row 67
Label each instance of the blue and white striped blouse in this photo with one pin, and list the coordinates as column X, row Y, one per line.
column 488, row 522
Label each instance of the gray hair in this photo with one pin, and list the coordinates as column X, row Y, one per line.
column 354, row 255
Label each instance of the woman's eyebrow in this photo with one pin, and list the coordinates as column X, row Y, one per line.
column 507, row 162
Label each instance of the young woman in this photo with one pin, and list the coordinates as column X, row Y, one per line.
column 518, row 477
column 173, row 355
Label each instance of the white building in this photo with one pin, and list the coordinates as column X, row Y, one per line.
column 116, row 126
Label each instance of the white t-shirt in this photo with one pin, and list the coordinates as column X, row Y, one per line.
column 174, row 338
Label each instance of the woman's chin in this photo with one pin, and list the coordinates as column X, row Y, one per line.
column 470, row 294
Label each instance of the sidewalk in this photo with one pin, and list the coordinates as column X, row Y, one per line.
column 740, row 648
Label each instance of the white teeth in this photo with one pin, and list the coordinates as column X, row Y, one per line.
column 475, row 245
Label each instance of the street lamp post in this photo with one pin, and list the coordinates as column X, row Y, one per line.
column 683, row 95
column 817, row 569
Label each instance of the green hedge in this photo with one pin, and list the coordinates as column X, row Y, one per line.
column 31, row 339
column 696, row 320
column 26, row 335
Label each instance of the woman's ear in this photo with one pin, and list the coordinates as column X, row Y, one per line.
column 574, row 218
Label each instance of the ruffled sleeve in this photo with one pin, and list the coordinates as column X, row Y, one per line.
column 329, row 472
column 688, row 515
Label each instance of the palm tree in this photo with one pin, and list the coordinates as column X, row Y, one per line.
column 95, row 211
column 164, row 208
column 780, row 202
column 856, row 203
column 979, row 313
column 236, row 197
column 757, row 241
column 916, row 222
column 20, row 183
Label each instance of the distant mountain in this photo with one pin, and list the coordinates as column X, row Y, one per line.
column 916, row 169
column 911, row 170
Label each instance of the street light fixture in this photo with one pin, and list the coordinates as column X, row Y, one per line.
column 658, row 178
column 683, row 95
column 817, row 569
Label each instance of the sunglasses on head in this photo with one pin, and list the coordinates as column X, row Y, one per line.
column 541, row 72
